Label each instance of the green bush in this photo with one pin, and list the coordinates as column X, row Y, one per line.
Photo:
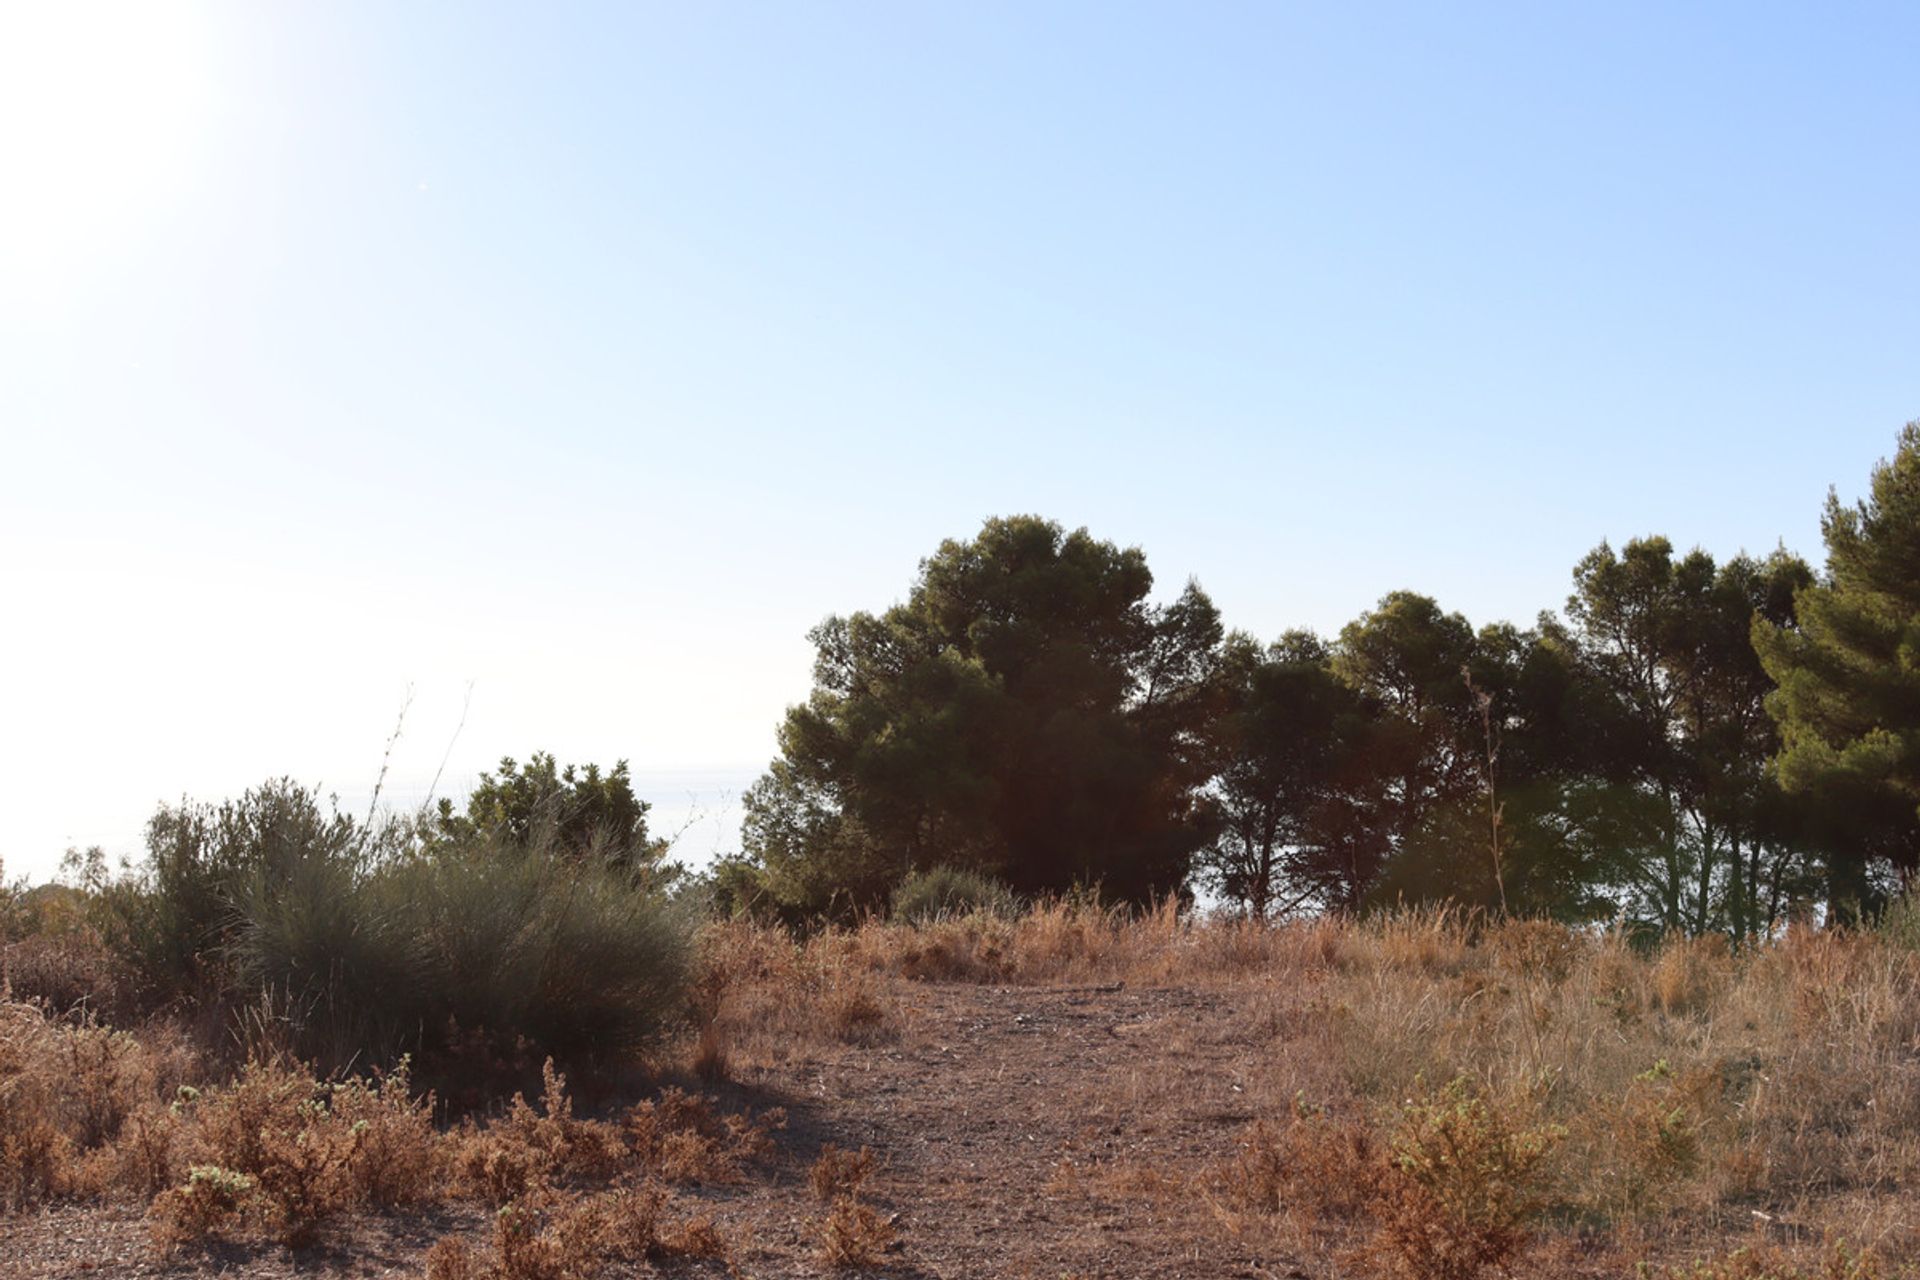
column 180, row 921
column 945, row 892
column 1900, row 922
column 349, row 944
column 526, row 941
column 735, row 887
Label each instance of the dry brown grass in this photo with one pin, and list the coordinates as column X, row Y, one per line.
column 1688, row 1085
column 1609, row 1104
column 1837, row 1262
column 1691, row 1087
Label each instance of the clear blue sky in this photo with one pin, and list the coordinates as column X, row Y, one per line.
column 593, row 353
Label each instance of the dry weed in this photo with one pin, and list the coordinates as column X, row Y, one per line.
column 855, row 1234
column 1840, row 1262
column 839, row 1173
column 1457, row 1199
column 551, row 1234
column 1312, row 1164
column 68, row 1087
column 398, row 1158
column 212, row 1204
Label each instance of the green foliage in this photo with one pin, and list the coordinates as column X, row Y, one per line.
column 1668, row 640
column 1900, row 922
column 1848, row 703
column 1296, row 788
column 1406, row 658
column 522, row 940
column 178, row 920
column 1026, row 717
column 351, row 944
column 576, row 810
column 13, row 915
column 1025, row 713
column 946, row 892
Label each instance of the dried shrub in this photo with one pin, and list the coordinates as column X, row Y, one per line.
column 34, row 1151
column 399, row 1154
column 854, row 1010
column 637, row 1227
column 34, row 1157
column 636, row 1217
column 212, row 1204
column 679, row 1137
column 107, row 1076
column 697, row 1237
column 553, row 1234
column 975, row 949
column 306, row 1174
column 544, row 1236
column 522, row 1151
column 839, row 1173
column 855, row 1234
column 676, row 1137
column 1689, row 971
column 1645, row 1143
column 711, row 1060
column 278, row 1126
column 494, row 1171
column 1535, row 949
column 1457, row 1200
column 65, row 971
column 1447, row 1196
column 452, row 1258
column 1325, row 1168
column 68, row 1086
column 148, row 1156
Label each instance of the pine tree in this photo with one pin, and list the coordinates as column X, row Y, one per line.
column 1848, row 702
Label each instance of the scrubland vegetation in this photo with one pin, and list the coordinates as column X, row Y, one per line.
column 1070, row 936
column 1433, row 1095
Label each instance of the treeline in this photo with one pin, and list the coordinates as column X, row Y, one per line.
column 1692, row 745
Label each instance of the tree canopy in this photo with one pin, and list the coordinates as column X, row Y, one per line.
column 1026, row 712
column 1848, row 677
column 1694, row 744
column 581, row 809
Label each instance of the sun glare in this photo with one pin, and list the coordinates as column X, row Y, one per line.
column 101, row 107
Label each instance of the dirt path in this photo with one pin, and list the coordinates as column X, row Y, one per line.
column 1048, row 1132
